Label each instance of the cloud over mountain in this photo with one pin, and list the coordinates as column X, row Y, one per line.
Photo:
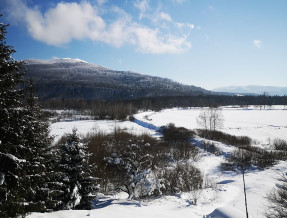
column 67, row 21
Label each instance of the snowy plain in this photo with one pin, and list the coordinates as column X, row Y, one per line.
column 224, row 192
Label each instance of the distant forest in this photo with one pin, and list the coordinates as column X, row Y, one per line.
column 160, row 102
column 123, row 108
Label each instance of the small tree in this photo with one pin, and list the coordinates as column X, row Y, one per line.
column 75, row 171
column 210, row 119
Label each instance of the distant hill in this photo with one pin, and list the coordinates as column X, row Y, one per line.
column 255, row 90
column 74, row 78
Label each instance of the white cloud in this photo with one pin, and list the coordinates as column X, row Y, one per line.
column 258, row 43
column 151, row 41
column 143, row 6
column 164, row 16
column 80, row 21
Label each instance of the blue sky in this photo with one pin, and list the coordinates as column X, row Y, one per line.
column 207, row 43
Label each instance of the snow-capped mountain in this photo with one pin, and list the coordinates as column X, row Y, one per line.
column 75, row 78
column 252, row 89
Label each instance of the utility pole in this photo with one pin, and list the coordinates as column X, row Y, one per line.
column 244, row 192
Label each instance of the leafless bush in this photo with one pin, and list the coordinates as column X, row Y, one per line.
column 280, row 144
column 195, row 195
column 225, row 138
column 185, row 151
column 277, row 199
column 176, row 134
column 183, row 178
column 247, row 156
column 210, row 147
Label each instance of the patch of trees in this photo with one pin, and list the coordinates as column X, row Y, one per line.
column 143, row 166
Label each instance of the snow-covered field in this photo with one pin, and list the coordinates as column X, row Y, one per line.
column 89, row 126
column 260, row 125
column 225, row 192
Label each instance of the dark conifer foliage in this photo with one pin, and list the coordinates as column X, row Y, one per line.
column 75, row 170
column 38, row 155
column 11, row 131
column 24, row 141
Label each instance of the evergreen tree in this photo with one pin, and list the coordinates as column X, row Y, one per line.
column 24, row 142
column 38, row 155
column 11, row 131
column 78, row 184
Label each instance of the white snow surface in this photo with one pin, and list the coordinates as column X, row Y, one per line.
column 223, row 196
column 83, row 127
column 260, row 125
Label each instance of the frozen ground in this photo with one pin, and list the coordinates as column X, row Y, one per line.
column 224, row 195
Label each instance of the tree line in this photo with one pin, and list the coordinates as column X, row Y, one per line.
column 127, row 107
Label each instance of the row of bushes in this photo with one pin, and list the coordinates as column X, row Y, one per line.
column 225, row 138
column 245, row 155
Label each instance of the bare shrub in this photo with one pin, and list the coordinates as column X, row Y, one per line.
column 176, row 134
column 225, row 138
column 280, row 144
column 196, row 193
column 247, row 156
column 210, row 147
column 185, row 151
column 277, row 199
column 183, row 178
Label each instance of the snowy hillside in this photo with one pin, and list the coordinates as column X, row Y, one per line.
column 223, row 193
column 75, row 78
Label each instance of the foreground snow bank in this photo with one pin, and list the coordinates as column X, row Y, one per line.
column 226, row 212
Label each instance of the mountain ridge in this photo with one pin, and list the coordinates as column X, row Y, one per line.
column 75, row 78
